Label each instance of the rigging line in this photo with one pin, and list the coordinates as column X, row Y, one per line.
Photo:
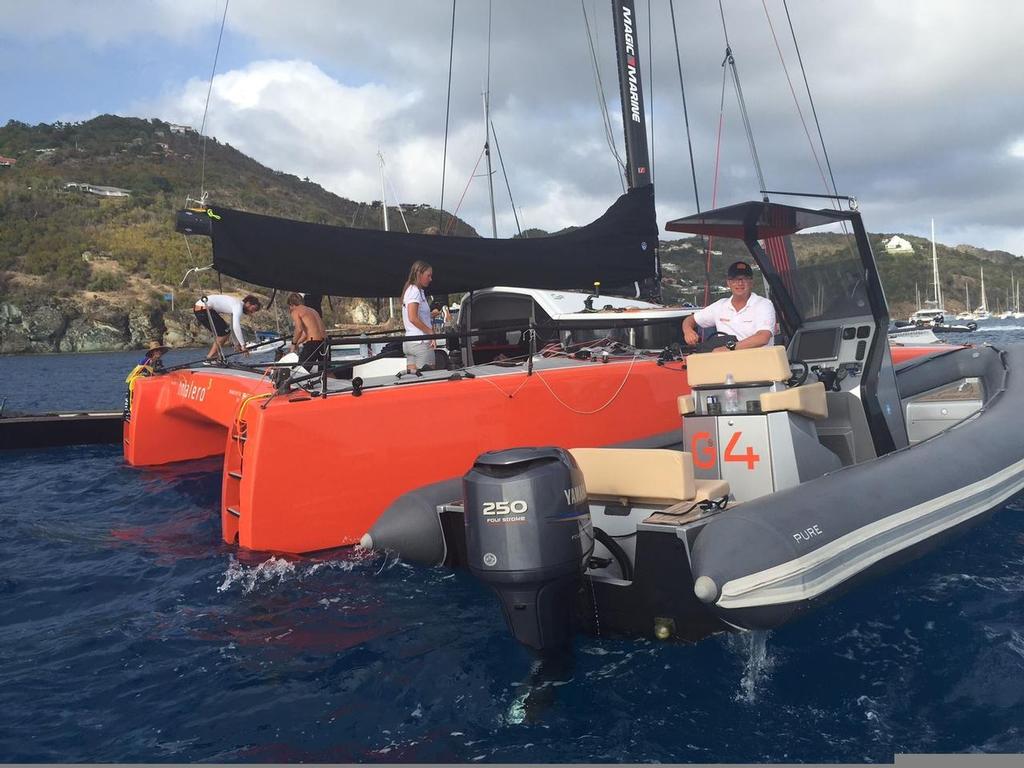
column 686, row 115
column 810, row 99
column 796, row 101
column 451, row 219
column 387, row 180
column 748, row 129
column 447, row 115
column 730, row 60
column 602, row 105
column 206, row 109
column 501, row 162
column 714, row 189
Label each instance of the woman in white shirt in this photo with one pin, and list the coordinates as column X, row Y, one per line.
column 416, row 317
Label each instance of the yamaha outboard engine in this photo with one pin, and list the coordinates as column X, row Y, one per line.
column 529, row 536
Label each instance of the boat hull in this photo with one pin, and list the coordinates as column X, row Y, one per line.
column 303, row 474
column 810, row 543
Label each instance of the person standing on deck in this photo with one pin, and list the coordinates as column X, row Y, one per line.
column 744, row 314
column 310, row 333
column 419, row 354
column 208, row 311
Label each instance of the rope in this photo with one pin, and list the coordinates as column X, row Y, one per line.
column 206, row 109
column 686, row 115
column 730, row 60
column 714, row 191
column 447, row 115
column 810, row 99
column 601, row 103
column 451, row 220
column 501, row 162
column 560, row 401
column 796, row 102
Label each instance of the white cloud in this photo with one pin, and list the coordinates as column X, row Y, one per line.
column 920, row 101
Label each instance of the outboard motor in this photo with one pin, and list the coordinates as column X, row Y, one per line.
column 529, row 536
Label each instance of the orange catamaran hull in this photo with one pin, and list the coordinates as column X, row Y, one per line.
column 303, row 474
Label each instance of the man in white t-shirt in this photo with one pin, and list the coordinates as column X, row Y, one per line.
column 744, row 314
column 208, row 314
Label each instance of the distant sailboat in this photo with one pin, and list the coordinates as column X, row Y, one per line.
column 933, row 312
column 982, row 313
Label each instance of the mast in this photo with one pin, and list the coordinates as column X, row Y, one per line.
column 634, row 120
column 984, row 302
column 935, row 271
column 487, row 126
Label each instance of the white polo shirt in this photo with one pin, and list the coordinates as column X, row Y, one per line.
column 758, row 314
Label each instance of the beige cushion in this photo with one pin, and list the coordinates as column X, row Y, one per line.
column 710, row 489
column 747, row 366
column 808, row 400
column 686, row 404
column 657, row 476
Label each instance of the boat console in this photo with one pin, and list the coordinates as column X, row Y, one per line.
column 757, row 434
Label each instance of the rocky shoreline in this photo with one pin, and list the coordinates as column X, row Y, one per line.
column 51, row 324
column 64, row 325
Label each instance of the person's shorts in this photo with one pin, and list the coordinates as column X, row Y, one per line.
column 205, row 316
column 311, row 353
column 419, row 354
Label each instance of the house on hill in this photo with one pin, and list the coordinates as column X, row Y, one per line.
column 7, row 162
column 96, row 189
column 897, row 244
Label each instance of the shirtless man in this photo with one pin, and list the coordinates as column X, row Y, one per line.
column 310, row 332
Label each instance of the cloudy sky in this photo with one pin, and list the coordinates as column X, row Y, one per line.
column 921, row 102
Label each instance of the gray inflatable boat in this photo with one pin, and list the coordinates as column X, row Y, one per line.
column 820, row 464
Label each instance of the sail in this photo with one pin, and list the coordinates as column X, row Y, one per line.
column 617, row 249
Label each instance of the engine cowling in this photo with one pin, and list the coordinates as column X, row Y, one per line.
column 529, row 537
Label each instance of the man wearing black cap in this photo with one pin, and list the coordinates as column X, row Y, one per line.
column 744, row 314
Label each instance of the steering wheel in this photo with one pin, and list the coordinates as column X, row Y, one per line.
column 800, row 377
column 712, row 342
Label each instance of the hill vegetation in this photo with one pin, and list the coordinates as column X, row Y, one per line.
column 68, row 242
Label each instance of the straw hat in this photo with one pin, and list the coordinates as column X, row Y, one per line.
column 155, row 346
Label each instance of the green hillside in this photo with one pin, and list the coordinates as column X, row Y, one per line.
column 47, row 227
column 66, row 242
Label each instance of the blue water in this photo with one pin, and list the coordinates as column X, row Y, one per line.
column 130, row 632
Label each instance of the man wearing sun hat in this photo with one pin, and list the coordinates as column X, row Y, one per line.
column 154, row 352
column 743, row 314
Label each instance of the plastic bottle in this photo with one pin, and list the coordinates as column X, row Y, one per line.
column 731, row 396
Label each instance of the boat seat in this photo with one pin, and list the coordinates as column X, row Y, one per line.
column 747, row 366
column 644, row 476
column 686, row 404
column 808, row 400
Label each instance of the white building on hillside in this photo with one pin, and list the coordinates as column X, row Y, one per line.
column 897, row 244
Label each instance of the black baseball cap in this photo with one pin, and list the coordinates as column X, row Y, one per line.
column 740, row 269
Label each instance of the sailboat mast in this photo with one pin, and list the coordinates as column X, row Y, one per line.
column 383, row 191
column 634, row 121
column 935, row 271
column 487, row 126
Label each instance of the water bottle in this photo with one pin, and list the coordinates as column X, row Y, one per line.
column 731, row 396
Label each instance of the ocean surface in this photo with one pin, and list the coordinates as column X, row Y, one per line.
column 130, row 632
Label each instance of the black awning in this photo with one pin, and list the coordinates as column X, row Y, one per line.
column 616, row 249
column 756, row 221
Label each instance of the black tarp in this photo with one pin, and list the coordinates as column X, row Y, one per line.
column 616, row 249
